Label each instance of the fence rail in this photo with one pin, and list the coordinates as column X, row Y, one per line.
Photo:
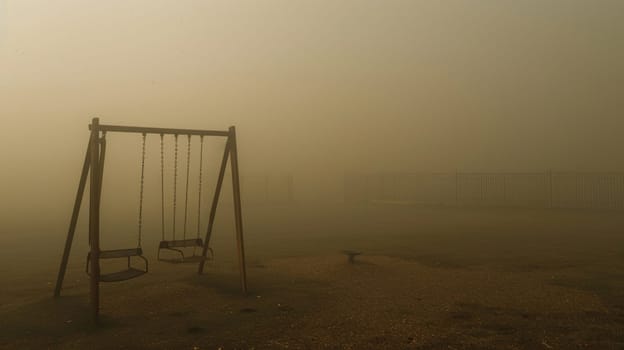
column 263, row 189
column 539, row 189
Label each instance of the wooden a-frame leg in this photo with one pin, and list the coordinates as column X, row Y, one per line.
column 213, row 208
column 72, row 224
column 238, row 216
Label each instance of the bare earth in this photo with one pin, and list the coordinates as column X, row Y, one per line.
column 429, row 279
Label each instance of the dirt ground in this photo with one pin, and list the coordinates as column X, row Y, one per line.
column 429, row 278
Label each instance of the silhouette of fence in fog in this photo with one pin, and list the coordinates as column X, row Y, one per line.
column 533, row 190
column 263, row 189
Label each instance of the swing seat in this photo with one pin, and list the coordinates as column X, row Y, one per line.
column 120, row 253
column 122, row 275
column 183, row 243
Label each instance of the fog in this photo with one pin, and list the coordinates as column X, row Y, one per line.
column 316, row 89
column 474, row 142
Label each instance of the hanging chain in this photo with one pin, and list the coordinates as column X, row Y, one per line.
column 141, row 191
column 175, row 182
column 188, row 168
column 162, row 184
column 199, row 196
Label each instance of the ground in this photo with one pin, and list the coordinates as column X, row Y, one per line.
column 429, row 278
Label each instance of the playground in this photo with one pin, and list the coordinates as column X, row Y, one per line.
column 224, row 175
column 344, row 275
column 429, row 278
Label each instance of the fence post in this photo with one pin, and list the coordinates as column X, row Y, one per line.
column 504, row 189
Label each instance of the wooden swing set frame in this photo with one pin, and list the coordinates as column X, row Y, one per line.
column 93, row 166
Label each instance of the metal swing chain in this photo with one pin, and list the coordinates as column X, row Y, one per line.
column 188, row 168
column 199, row 200
column 162, row 184
column 141, row 191
column 175, row 182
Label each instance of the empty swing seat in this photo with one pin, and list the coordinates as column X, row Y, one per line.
column 123, row 275
column 182, row 243
column 119, row 276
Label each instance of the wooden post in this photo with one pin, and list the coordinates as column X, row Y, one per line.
column 237, row 208
column 94, row 218
column 72, row 224
column 215, row 202
column 102, row 142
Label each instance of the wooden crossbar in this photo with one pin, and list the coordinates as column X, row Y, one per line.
column 144, row 130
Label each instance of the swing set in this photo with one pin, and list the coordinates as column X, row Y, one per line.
column 174, row 245
column 94, row 166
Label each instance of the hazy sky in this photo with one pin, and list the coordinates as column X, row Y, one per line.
column 445, row 84
column 318, row 86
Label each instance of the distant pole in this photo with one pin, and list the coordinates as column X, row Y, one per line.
column 485, row 187
column 291, row 195
column 267, row 197
column 549, row 174
column 396, row 188
column 457, row 187
column 504, row 189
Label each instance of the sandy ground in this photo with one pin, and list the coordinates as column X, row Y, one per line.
column 430, row 278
